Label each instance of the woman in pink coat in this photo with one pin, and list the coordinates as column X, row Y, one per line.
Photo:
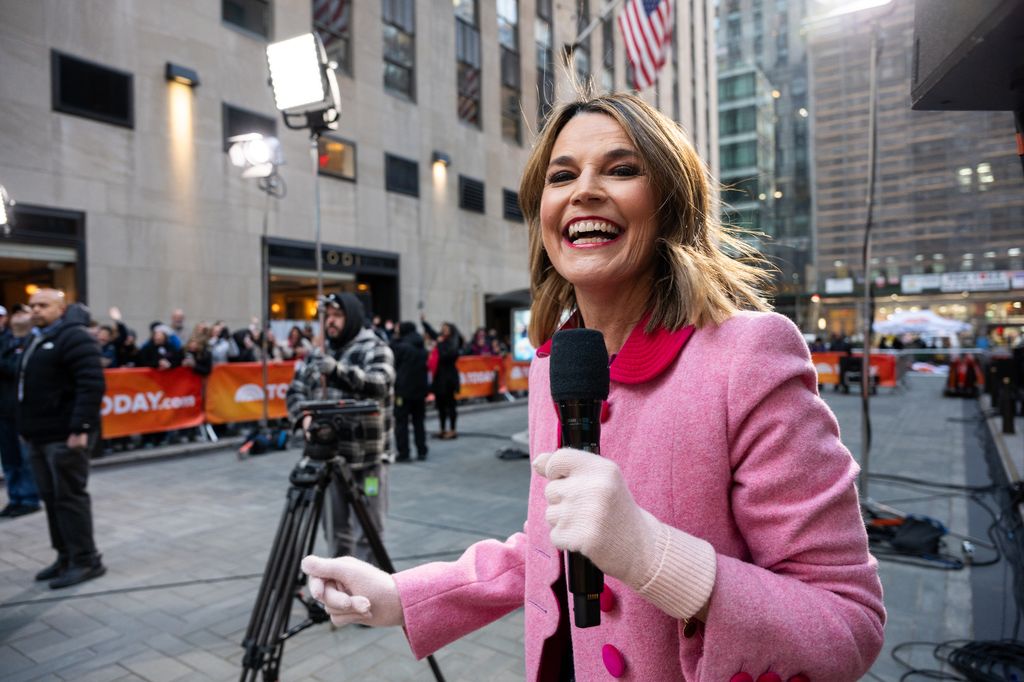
column 722, row 511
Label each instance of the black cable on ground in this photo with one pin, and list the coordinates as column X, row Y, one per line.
column 986, row 661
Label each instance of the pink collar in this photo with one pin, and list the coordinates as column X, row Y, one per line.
column 643, row 357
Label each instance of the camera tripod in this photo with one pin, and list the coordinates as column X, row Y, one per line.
column 283, row 578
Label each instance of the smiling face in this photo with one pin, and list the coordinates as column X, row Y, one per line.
column 597, row 209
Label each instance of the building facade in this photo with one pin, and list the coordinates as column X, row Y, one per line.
column 113, row 143
column 763, row 124
column 948, row 208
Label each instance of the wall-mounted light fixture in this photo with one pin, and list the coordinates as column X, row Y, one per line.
column 441, row 158
column 181, row 74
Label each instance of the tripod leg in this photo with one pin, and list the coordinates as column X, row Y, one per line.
column 356, row 497
column 282, row 576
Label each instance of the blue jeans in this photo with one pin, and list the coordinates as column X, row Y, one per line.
column 21, row 486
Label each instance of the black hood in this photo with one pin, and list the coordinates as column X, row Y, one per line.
column 77, row 313
column 353, row 310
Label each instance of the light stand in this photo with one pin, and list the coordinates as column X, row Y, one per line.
column 306, row 93
column 260, row 158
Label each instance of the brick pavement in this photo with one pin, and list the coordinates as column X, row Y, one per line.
column 201, row 528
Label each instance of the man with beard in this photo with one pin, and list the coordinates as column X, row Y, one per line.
column 356, row 365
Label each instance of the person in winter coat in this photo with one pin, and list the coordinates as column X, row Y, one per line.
column 22, row 492
column 60, row 386
column 159, row 352
column 722, row 509
column 410, row 390
column 446, row 381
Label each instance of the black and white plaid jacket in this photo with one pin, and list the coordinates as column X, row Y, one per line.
column 366, row 371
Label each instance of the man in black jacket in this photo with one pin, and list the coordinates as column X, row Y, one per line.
column 410, row 390
column 60, row 390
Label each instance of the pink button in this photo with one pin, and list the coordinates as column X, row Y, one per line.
column 769, row 677
column 607, row 599
column 606, row 411
column 614, row 661
column 741, row 677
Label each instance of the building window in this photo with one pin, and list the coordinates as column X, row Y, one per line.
column 401, row 175
column 399, row 47
column 608, row 53
column 250, row 15
column 471, row 194
column 510, row 206
column 92, row 91
column 581, row 54
column 736, row 87
column 241, row 121
column 332, row 20
column 467, row 62
column 337, row 157
column 733, row 121
column 739, row 155
column 508, row 37
column 545, row 61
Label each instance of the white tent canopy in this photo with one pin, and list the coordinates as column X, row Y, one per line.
column 920, row 322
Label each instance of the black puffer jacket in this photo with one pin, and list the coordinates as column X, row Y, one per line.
column 410, row 365
column 63, row 383
column 11, row 348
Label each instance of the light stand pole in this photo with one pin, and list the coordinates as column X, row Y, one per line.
column 260, row 157
column 869, row 302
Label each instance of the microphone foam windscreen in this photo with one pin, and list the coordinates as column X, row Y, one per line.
column 579, row 365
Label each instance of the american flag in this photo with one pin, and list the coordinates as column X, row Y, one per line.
column 646, row 27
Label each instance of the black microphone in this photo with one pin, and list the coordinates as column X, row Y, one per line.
column 579, row 385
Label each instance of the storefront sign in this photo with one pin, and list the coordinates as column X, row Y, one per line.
column 842, row 285
column 915, row 284
column 995, row 280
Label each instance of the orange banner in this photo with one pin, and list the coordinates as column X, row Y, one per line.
column 517, row 375
column 143, row 400
column 478, row 375
column 883, row 367
column 234, row 392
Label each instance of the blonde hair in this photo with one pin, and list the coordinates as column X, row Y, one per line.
column 696, row 280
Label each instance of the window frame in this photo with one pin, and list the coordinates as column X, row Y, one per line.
column 388, row 158
column 330, row 137
column 409, row 31
column 225, row 111
column 59, row 105
column 345, row 66
column 269, row 8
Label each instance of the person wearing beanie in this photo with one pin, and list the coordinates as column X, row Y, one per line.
column 356, row 364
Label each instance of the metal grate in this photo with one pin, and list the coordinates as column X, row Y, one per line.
column 471, row 194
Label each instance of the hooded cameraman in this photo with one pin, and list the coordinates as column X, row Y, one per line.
column 358, row 365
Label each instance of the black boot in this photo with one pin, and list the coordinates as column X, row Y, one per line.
column 78, row 573
column 53, row 570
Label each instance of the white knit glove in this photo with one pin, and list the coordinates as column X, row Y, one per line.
column 353, row 591
column 591, row 511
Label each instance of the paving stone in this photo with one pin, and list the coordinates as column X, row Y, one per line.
column 167, row 522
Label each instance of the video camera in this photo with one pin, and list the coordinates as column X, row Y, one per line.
column 338, row 428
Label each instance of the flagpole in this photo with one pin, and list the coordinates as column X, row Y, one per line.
column 608, row 7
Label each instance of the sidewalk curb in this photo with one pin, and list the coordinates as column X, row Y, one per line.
column 233, row 443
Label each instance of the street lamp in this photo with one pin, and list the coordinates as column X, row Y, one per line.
column 259, row 157
column 841, row 8
column 306, row 93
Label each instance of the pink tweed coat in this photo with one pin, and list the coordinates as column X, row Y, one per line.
column 720, row 433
